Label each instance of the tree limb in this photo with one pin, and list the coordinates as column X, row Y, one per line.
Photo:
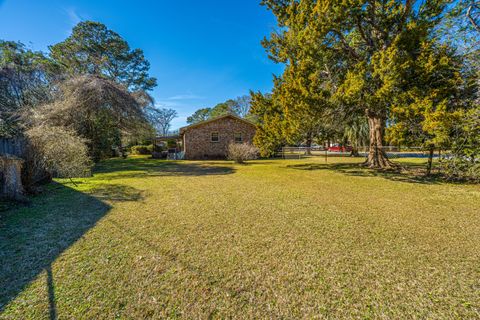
column 470, row 17
column 345, row 44
column 368, row 40
column 408, row 9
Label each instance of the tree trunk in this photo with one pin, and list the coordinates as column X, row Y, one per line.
column 354, row 152
column 377, row 158
column 430, row 160
column 309, row 145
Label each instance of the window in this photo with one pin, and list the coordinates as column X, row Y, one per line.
column 215, row 137
column 238, row 137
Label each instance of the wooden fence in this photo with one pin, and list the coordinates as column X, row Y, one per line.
column 14, row 147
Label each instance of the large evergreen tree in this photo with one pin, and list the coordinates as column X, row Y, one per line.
column 352, row 47
column 270, row 117
column 429, row 103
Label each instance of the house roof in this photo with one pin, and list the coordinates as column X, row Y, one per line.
column 183, row 129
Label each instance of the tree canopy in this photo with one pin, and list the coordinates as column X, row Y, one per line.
column 199, row 116
column 92, row 84
column 97, row 109
column 25, row 78
column 94, row 49
column 161, row 118
column 239, row 106
column 348, row 56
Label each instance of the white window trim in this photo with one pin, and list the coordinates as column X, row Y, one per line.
column 235, row 138
column 218, row 137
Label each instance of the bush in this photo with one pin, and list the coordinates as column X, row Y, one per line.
column 464, row 162
column 461, row 168
column 59, row 151
column 242, row 152
column 142, row 149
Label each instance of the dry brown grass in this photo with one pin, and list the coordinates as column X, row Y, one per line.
column 272, row 239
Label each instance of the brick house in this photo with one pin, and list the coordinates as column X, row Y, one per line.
column 210, row 139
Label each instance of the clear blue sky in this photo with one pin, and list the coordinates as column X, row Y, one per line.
column 201, row 51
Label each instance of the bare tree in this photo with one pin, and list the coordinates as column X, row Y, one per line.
column 97, row 109
column 240, row 105
column 161, row 119
column 473, row 14
column 25, row 81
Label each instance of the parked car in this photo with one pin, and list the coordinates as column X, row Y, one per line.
column 338, row 148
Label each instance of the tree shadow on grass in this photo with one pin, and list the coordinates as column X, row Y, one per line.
column 145, row 167
column 408, row 172
column 32, row 237
column 113, row 192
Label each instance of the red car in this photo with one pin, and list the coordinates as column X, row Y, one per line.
column 340, row 149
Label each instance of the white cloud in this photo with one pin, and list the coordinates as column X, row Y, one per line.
column 167, row 104
column 73, row 16
column 186, row 97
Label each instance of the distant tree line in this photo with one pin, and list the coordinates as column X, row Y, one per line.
column 239, row 106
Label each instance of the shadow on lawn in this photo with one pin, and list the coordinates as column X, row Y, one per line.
column 31, row 238
column 409, row 172
column 145, row 167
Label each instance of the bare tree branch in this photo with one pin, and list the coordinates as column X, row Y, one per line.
column 470, row 16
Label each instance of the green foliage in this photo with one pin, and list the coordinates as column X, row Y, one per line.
column 142, row 149
column 94, row 49
column 348, row 61
column 239, row 106
column 171, row 143
column 356, row 132
column 464, row 162
column 199, row 116
column 429, row 104
column 203, row 114
column 221, row 109
column 270, row 123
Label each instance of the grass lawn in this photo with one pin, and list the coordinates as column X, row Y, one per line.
column 273, row 239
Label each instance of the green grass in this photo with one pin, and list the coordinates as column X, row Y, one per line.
column 272, row 239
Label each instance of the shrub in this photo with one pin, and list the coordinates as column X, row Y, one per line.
column 461, row 168
column 59, row 151
column 242, row 152
column 142, row 149
column 171, row 143
column 464, row 162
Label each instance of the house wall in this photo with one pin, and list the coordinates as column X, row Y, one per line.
column 198, row 144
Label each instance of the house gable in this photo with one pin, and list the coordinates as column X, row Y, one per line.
column 201, row 123
column 210, row 139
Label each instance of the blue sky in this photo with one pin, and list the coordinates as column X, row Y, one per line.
column 201, row 51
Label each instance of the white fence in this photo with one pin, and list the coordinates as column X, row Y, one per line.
column 391, row 151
